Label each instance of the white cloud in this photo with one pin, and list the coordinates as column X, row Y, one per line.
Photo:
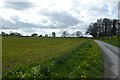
column 55, row 15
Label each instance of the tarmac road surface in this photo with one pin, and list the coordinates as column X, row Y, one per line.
column 111, row 59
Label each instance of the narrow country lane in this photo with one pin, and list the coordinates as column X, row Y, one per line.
column 111, row 59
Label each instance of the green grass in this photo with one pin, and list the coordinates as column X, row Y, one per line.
column 114, row 40
column 0, row 57
column 22, row 51
column 51, row 58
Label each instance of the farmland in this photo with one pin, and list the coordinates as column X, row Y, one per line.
column 25, row 57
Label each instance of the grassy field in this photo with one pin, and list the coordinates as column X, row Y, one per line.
column 25, row 57
column 114, row 40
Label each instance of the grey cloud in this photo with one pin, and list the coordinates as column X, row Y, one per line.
column 6, row 24
column 100, row 9
column 105, row 10
column 18, row 5
column 26, row 27
column 15, row 17
column 63, row 19
column 95, row 11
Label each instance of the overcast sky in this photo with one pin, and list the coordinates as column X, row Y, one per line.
column 47, row 16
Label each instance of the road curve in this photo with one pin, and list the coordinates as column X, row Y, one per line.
column 111, row 59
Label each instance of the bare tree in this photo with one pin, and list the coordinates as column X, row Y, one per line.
column 78, row 34
column 103, row 27
column 64, row 34
column 114, row 26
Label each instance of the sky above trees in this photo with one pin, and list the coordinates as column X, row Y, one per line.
column 47, row 16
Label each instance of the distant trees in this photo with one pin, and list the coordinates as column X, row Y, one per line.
column 73, row 34
column 104, row 27
column 78, row 34
column 34, row 34
column 11, row 34
column 64, row 34
column 46, row 35
column 4, row 34
column 53, row 34
column 40, row 35
column 15, row 34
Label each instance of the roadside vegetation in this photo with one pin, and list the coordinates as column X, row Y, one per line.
column 114, row 40
column 51, row 58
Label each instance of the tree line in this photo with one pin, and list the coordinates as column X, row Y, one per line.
column 64, row 34
column 104, row 28
column 20, row 35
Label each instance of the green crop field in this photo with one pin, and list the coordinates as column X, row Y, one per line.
column 34, row 57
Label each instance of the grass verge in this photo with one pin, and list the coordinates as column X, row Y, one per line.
column 114, row 40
